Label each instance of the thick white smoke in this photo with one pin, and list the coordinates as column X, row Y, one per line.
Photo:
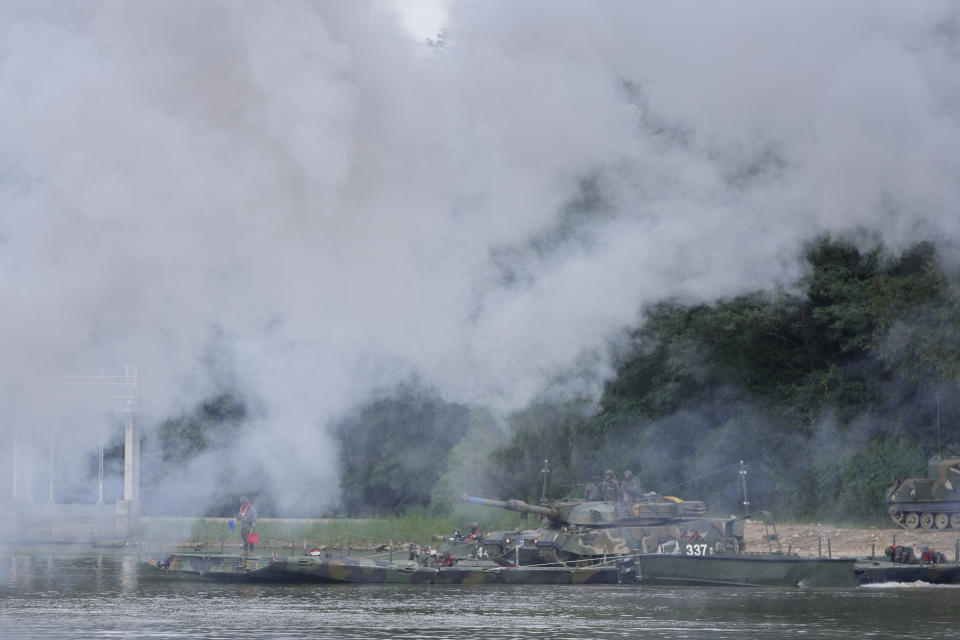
column 346, row 207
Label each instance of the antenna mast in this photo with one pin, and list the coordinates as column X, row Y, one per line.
column 939, row 448
column 743, row 486
column 546, row 472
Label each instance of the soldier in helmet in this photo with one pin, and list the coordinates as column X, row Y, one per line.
column 930, row 556
column 474, row 534
column 611, row 487
column 901, row 554
column 591, row 490
column 630, row 487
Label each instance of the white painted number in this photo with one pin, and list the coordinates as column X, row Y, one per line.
column 698, row 549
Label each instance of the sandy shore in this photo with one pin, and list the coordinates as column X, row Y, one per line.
column 803, row 539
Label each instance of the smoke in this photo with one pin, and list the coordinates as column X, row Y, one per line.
column 340, row 207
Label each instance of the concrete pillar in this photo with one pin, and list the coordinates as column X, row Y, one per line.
column 129, row 508
column 22, row 468
column 131, row 464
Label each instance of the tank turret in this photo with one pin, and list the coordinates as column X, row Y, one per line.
column 650, row 509
column 931, row 502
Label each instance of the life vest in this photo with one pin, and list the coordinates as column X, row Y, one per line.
column 930, row 556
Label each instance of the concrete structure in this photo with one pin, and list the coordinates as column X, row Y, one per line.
column 53, row 424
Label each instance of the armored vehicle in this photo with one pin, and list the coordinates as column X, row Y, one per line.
column 580, row 532
column 928, row 502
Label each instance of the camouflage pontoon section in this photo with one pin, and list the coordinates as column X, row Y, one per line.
column 875, row 571
column 305, row 568
column 746, row 570
column 360, row 570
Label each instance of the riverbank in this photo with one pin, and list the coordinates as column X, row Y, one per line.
column 298, row 535
column 807, row 539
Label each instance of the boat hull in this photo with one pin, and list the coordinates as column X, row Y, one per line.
column 347, row 569
column 746, row 570
column 880, row 571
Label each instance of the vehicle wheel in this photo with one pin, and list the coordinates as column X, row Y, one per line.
column 955, row 520
column 926, row 521
column 942, row 520
column 912, row 520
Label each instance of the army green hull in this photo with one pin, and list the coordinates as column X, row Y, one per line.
column 881, row 571
column 746, row 570
column 346, row 569
column 928, row 503
column 526, row 575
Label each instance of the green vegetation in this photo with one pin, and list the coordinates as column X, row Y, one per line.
column 828, row 387
column 390, row 450
column 210, row 427
column 363, row 534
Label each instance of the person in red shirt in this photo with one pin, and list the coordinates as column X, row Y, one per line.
column 247, row 519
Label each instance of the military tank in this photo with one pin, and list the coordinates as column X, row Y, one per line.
column 580, row 532
column 931, row 502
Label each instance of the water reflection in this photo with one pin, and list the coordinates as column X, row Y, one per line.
column 20, row 573
column 93, row 594
column 248, row 590
column 128, row 575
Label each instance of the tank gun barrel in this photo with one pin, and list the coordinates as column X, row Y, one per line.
column 514, row 505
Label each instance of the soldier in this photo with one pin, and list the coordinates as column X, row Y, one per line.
column 929, row 556
column 901, row 554
column 591, row 490
column 247, row 519
column 475, row 534
column 630, row 487
column 611, row 488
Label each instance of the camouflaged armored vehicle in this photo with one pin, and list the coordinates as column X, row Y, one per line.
column 578, row 532
column 931, row 502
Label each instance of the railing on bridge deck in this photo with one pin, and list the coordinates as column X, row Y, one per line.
column 25, row 396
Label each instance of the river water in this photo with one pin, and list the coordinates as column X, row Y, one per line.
column 83, row 594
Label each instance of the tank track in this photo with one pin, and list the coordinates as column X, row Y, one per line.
column 935, row 515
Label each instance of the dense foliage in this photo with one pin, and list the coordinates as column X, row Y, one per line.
column 391, row 449
column 827, row 387
column 177, row 443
